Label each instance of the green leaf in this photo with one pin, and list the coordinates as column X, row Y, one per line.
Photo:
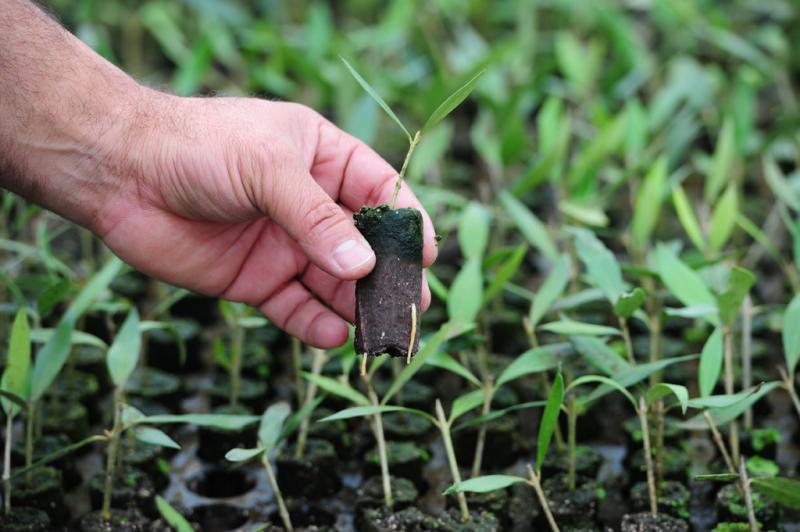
column 585, row 214
column 430, row 346
column 452, row 101
column 42, row 336
column 577, row 328
column 17, row 375
column 123, row 354
column 466, row 293
column 662, row 389
column 171, row 516
column 96, row 285
column 721, row 401
column 638, row 373
column 726, row 414
column 549, row 419
column 586, row 379
column 598, row 355
column 529, row 225
column 375, row 96
column 687, row 217
column 552, row 288
column 243, row 455
column 739, row 283
column 52, row 296
column 437, row 287
column 505, row 273
column 784, row 491
column 337, row 388
column 14, row 398
column 533, row 361
column 722, row 163
column 440, row 359
column 710, row 363
column 648, row 204
column 216, row 421
column 473, row 230
column 629, row 302
column 683, row 282
column 496, row 414
column 465, row 403
column 153, row 436
column 484, row 484
column 50, row 359
column 601, row 265
column 363, row 411
column 718, row 477
column 791, row 334
column 269, row 431
column 723, row 219
column 780, row 187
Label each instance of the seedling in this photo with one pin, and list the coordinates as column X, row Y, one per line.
column 388, row 298
column 238, row 319
column 270, row 432
column 172, row 516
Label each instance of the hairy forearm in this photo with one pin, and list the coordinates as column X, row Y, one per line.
column 62, row 109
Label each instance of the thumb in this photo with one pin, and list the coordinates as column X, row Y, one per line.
column 324, row 231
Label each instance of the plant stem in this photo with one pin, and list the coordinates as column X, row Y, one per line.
column 655, row 339
column 788, row 383
column 648, row 457
column 535, row 481
column 282, row 510
column 111, row 457
column 748, row 496
column 626, row 335
column 297, row 360
column 236, row 364
column 7, row 462
column 58, row 454
column 733, row 436
column 411, row 146
column 444, row 428
column 572, row 421
column 488, row 395
column 377, row 421
column 659, row 414
column 747, row 355
column 317, row 361
column 719, row 441
column 29, row 418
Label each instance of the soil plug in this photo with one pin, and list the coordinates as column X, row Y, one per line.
column 387, row 299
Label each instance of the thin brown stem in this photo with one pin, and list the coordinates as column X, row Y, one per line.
column 399, row 183
column 282, row 510
column 317, row 361
column 382, row 452
column 733, row 435
column 659, row 415
column 648, row 457
column 626, row 336
column 29, row 419
column 535, row 481
column 7, row 462
column 413, row 335
column 444, row 428
column 719, row 441
column 572, row 421
column 748, row 496
column 747, row 355
column 111, row 458
column 477, row 460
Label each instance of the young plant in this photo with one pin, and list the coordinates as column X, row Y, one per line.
column 791, row 349
column 15, row 388
column 270, row 432
column 388, row 299
column 318, row 359
column 238, row 318
column 172, row 516
column 547, row 428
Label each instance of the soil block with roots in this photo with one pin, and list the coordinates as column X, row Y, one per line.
column 388, row 298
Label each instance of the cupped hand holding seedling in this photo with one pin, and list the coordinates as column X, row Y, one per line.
column 240, row 198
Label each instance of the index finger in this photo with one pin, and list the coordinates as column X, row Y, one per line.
column 352, row 173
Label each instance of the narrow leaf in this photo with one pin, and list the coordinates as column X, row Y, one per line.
column 269, row 431
column 363, row 411
column 722, row 163
column 784, row 491
column 171, row 516
column 338, row 388
column 710, row 363
column 549, row 419
column 683, row 282
column 466, row 293
column 739, row 283
column 648, row 204
column 243, row 455
column 17, row 376
column 534, row 361
column 780, row 187
column 628, row 303
column 465, row 403
column 662, row 389
column 505, row 273
column 687, row 217
column 601, row 265
column 375, row 96
column 452, row 101
column 473, row 230
column 123, row 354
column 723, row 219
column 484, row 484
column 598, row 355
column 153, row 436
column 217, row 421
column 529, row 225
column 791, row 334
column 577, row 328
column 587, row 379
column 442, row 360
column 552, row 288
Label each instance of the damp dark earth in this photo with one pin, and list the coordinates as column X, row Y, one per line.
column 613, row 336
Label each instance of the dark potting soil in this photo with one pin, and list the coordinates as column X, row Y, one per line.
column 147, row 458
column 316, row 474
column 370, row 494
column 384, row 298
column 731, row 507
column 156, row 385
column 587, row 462
column 575, row 508
column 48, row 444
column 252, row 393
column 42, row 490
column 133, row 489
column 222, row 482
column 672, row 500
column 501, row 433
column 213, row 443
column 676, row 463
column 523, row 509
column 70, row 418
column 219, row 517
column 406, row 459
column 121, row 521
column 163, row 347
column 647, row 522
column 24, row 519
column 414, row 394
column 404, row 426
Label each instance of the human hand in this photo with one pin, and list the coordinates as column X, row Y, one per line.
column 251, row 201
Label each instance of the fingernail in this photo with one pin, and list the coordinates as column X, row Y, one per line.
column 352, row 254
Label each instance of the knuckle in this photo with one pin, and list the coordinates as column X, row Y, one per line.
column 322, row 219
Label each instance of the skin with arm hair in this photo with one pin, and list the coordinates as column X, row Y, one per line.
column 240, row 198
